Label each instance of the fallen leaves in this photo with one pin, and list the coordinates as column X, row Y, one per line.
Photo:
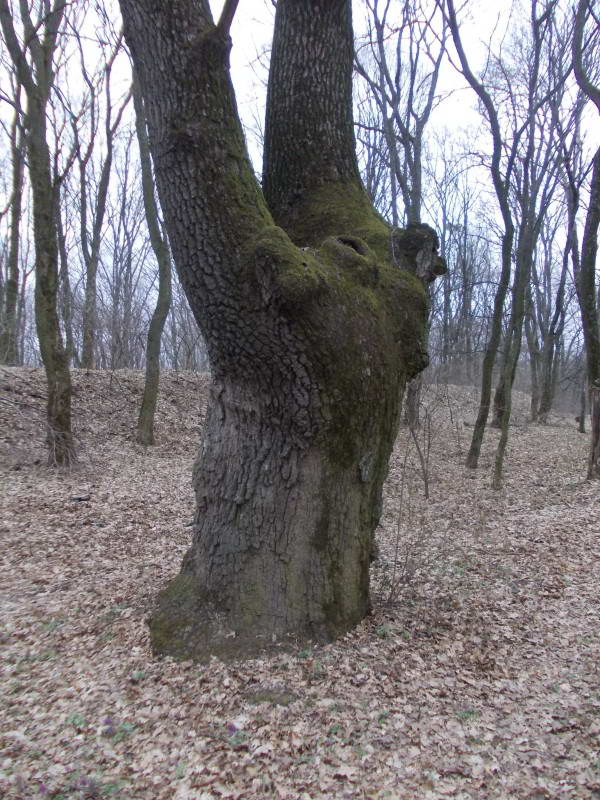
column 479, row 678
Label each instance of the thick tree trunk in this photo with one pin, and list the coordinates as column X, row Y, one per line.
column 311, row 335
column 585, row 277
column 585, row 282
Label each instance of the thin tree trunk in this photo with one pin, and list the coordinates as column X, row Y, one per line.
column 582, row 406
column 65, row 288
column 491, row 350
column 513, row 347
column 59, row 437
column 145, row 424
column 8, row 332
column 550, row 354
column 535, row 359
column 37, row 83
column 501, row 187
column 91, row 248
column 594, row 460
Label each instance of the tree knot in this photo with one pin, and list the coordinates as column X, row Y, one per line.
column 419, row 244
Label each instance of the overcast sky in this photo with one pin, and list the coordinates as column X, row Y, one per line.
column 252, row 32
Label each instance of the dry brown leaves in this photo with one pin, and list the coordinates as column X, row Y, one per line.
column 476, row 677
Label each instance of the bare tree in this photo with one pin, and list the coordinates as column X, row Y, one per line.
column 145, row 425
column 401, row 69
column 533, row 182
column 586, row 72
column 8, row 311
column 92, row 229
column 33, row 56
column 400, row 62
column 501, row 181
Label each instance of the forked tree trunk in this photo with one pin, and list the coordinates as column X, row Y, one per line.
column 312, row 331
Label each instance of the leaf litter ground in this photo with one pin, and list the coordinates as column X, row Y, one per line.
column 477, row 676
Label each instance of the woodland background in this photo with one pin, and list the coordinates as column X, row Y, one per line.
column 515, row 158
column 477, row 673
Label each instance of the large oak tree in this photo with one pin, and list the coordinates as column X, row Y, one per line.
column 313, row 311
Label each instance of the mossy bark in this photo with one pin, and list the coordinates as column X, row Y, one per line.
column 59, row 438
column 37, row 79
column 311, row 327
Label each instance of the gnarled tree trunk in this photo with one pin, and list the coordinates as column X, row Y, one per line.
column 312, row 331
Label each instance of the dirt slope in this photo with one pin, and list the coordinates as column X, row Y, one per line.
column 478, row 675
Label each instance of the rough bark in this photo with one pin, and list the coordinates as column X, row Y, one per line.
column 585, row 276
column 312, row 332
column 61, row 449
column 37, row 80
column 145, row 423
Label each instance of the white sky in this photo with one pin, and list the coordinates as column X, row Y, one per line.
column 480, row 21
column 252, row 31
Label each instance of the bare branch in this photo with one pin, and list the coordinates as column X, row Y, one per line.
column 227, row 15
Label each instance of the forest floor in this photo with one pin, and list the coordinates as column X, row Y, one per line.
column 477, row 676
